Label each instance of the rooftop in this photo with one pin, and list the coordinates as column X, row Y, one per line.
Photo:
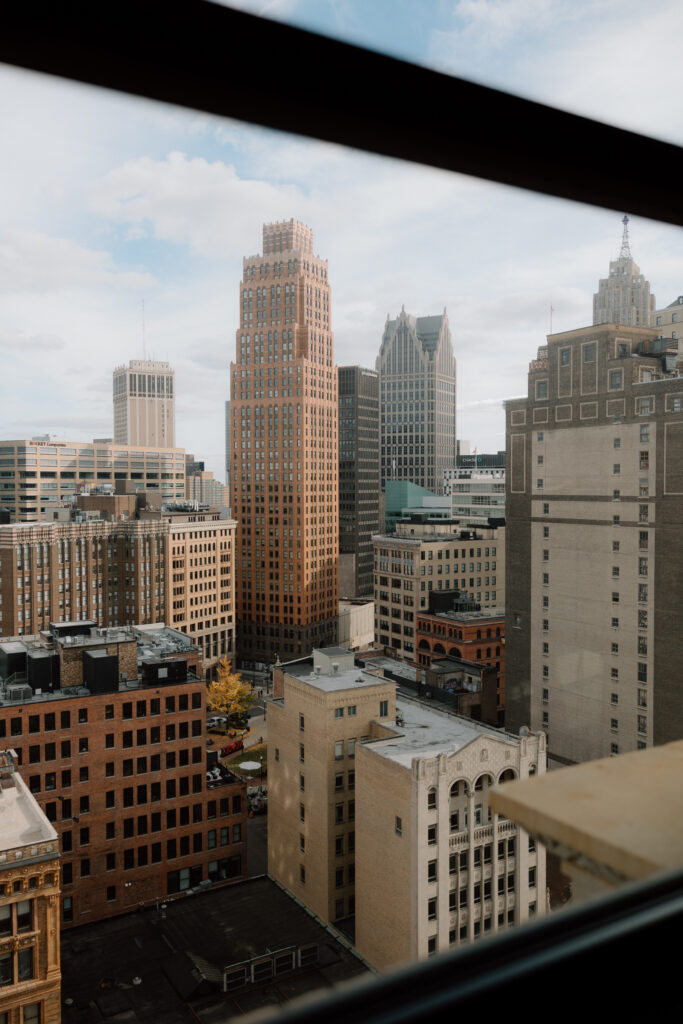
column 150, row 971
column 473, row 616
column 424, row 732
column 22, row 823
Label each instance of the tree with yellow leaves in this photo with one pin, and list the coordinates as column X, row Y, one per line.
column 229, row 694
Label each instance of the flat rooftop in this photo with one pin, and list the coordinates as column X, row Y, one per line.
column 137, row 967
column 22, row 823
column 348, row 679
column 427, row 733
column 452, row 613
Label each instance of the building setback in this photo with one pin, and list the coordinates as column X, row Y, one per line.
column 114, row 750
column 36, row 475
column 144, row 404
column 417, row 373
column 30, row 973
column 285, row 459
column 359, row 492
column 594, row 506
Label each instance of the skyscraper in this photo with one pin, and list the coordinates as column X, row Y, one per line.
column 285, row 477
column 144, row 404
column 624, row 297
column 417, row 373
column 359, row 497
column 594, row 503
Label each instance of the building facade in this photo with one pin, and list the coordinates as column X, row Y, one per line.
column 119, row 565
column 144, row 404
column 324, row 709
column 204, row 488
column 200, row 597
column 624, row 297
column 285, row 457
column 667, row 320
column 460, row 631
column 477, row 495
column 378, row 811
column 593, row 590
column 435, row 867
column 36, row 475
column 424, row 557
column 111, row 741
column 417, row 373
column 30, row 974
column 359, row 492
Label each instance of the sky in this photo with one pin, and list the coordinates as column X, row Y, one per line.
column 112, row 202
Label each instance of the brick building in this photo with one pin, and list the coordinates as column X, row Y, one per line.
column 111, row 741
column 422, row 558
column 30, row 976
column 455, row 628
column 284, row 475
column 118, row 560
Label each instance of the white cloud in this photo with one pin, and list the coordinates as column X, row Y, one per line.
column 34, row 262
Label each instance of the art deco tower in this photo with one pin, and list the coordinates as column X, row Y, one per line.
column 284, row 451
column 624, row 297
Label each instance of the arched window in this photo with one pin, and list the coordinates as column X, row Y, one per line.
column 507, row 776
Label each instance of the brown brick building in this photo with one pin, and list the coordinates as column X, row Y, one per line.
column 30, row 975
column 461, row 631
column 118, row 561
column 112, row 745
column 284, row 460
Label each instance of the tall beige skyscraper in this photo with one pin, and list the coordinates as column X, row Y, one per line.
column 284, row 476
column 624, row 297
column 144, row 404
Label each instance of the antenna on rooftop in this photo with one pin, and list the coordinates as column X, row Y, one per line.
column 625, row 251
column 144, row 345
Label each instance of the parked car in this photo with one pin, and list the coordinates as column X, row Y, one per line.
column 217, row 722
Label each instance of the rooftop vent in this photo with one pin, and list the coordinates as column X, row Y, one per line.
column 335, row 668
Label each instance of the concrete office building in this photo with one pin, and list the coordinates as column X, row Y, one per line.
column 36, row 475
column 624, row 297
column 477, row 495
column 203, row 487
column 594, row 506
column 30, row 975
column 144, row 404
column 285, row 451
column 359, row 492
column 417, row 373
column 324, row 709
column 423, row 557
column 435, row 868
column 111, row 740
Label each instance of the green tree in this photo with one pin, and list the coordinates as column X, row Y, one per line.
column 229, row 694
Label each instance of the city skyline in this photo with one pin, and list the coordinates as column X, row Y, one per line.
column 152, row 203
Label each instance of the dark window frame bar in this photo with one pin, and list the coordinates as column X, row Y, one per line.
column 204, row 56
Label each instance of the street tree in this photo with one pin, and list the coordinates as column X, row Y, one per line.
column 229, row 694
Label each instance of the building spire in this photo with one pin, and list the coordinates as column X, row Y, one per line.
column 625, row 251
